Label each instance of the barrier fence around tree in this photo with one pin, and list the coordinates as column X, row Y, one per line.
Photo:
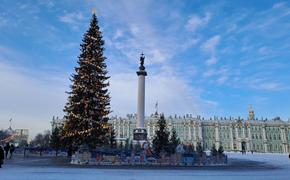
column 106, row 156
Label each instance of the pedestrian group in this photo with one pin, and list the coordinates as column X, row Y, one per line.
column 8, row 149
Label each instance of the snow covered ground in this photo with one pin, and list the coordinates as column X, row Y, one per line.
column 280, row 171
column 280, row 160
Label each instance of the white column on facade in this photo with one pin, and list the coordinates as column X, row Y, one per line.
column 283, row 139
column 249, row 138
column 123, row 129
column 194, row 135
column 236, row 132
column 195, row 132
column 217, row 136
column 244, row 137
column 231, row 137
column 184, row 131
column 243, row 131
column 128, row 130
column 200, row 133
column 189, row 132
column 264, row 138
column 238, row 143
column 119, row 129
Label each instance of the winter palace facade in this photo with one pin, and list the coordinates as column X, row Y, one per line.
column 233, row 134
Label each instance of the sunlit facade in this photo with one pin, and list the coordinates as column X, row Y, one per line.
column 234, row 134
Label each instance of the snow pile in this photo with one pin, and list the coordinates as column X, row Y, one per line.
column 280, row 160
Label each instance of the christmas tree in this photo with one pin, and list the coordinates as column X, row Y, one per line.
column 161, row 141
column 88, row 103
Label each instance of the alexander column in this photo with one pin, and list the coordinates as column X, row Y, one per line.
column 140, row 133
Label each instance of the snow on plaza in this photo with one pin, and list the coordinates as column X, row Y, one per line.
column 263, row 166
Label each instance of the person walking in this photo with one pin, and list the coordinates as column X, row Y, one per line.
column 1, row 156
column 12, row 149
column 6, row 149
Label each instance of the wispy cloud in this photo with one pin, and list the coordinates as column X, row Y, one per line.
column 73, row 19
column 195, row 22
column 211, row 44
column 211, row 61
column 3, row 21
column 278, row 5
column 174, row 95
column 267, row 85
column 210, row 48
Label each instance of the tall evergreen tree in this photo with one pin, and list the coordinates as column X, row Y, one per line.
column 173, row 141
column 88, row 102
column 161, row 139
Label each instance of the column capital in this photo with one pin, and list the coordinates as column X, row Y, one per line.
column 141, row 73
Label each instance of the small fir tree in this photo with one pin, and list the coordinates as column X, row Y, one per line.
column 55, row 137
column 214, row 151
column 112, row 138
column 127, row 145
column 88, row 103
column 221, row 150
column 131, row 145
column 161, row 139
column 190, row 149
column 174, row 141
column 199, row 149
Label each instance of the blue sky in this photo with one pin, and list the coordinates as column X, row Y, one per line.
column 209, row 58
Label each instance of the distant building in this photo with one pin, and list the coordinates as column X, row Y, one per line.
column 17, row 136
column 21, row 135
column 234, row 134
